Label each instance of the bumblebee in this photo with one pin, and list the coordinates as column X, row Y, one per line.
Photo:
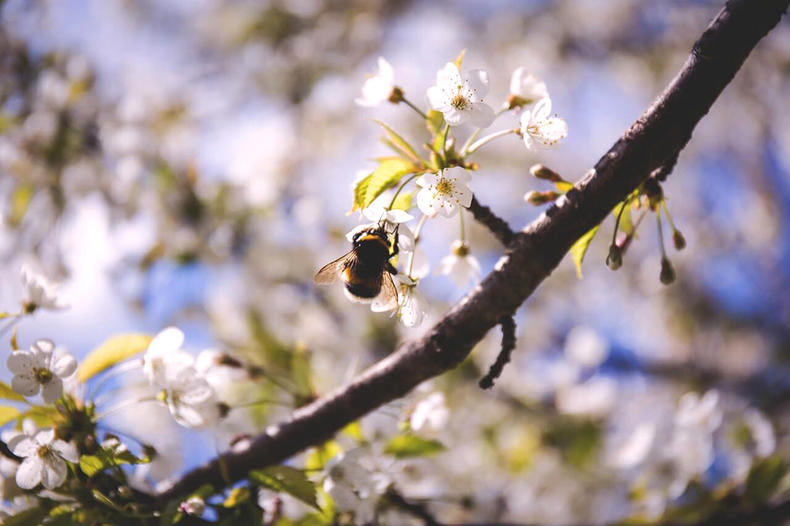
column 366, row 270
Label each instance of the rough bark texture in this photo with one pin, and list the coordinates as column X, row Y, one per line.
column 653, row 141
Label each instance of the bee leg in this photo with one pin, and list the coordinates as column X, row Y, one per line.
column 395, row 248
column 391, row 269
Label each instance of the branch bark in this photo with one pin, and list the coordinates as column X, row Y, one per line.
column 653, row 141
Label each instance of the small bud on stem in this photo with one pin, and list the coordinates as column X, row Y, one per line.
column 547, row 174
column 539, row 198
column 667, row 275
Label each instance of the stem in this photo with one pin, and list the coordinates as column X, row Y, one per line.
column 461, row 223
column 488, row 138
column 260, row 402
column 403, row 184
column 660, row 235
column 445, row 132
column 124, row 367
column 669, row 217
column 125, row 404
column 473, row 136
column 412, row 106
column 617, row 223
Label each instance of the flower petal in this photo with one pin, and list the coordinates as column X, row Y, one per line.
column 481, row 115
column 52, row 390
column 542, row 110
column 169, row 339
column 67, row 450
column 65, row 366
column 425, row 202
column 455, row 117
column 45, row 436
column 476, row 85
column 437, row 98
column 44, row 345
column 54, row 472
column 464, row 196
column 449, row 78
column 386, row 71
column 23, row 445
column 399, row 216
column 29, row 473
column 21, row 362
column 25, row 385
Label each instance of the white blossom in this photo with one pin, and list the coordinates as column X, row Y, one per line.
column 695, row 412
column 430, row 416
column 164, row 353
column 586, row 347
column 460, row 265
column 45, row 459
column 761, row 433
column 378, row 213
column 193, row 506
column 539, row 128
column 412, row 305
column 354, row 484
column 40, row 369
column 527, row 88
column 191, row 400
column 636, row 448
column 378, row 88
column 461, row 99
column 444, row 192
column 593, row 398
column 40, row 292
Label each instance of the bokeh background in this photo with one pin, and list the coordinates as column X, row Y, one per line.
column 190, row 163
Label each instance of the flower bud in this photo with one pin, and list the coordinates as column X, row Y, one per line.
column 615, row 258
column 547, row 174
column 678, row 240
column 539, row 198
column 460, row 249
column 667, row 272
column 396, row 96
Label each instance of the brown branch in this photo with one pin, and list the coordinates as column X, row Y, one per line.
column 508, row 325
column 493, row 222
column 652, row 141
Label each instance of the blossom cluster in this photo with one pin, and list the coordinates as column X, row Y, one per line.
column 442, row 183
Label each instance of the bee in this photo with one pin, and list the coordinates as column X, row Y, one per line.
column 366, row 270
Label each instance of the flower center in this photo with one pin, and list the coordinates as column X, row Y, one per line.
column 43, row 451
column 461, row 250
column 444, row 186
column 459, row 102
column 43, row 375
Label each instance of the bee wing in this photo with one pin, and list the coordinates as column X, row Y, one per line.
column 388, row 297
column 330, row 272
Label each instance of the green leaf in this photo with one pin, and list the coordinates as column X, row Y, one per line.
column 388, row 173
column 764, row 478
column 579, row 249
column 112, row 351
column 26, row 518
column 354, row 430
column 460, row 58
column 403, row 201
column 318, row 456
column 91, row 464
column 434, row 121
column 106, row 458
column 400, row 144
column 9, row 394
column 285, row 479
column 7, row 414
column 440, row 140
column 626, row 221
column 410, row 445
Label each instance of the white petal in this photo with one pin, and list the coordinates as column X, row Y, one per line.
column 169, row 339
column 481, row 115
column 65, row 366
column 23, row 445
column 405, row 239
column 399, row 216
column 425, row 202
column 386, row 70
column 449, row 77
column 465, row 196
column 25, row 385
column 67, row 450
column 477, row 84
column 552, row 131
column 374, row 212
column 458, row 174
column 45, row 346
column 524, row 121
column 21, row 362
column 456, row 117
column 45, row 436
column 52, row 390
column 29, row 473
column 515, row 80
column 437, row 98
column 542, row 110
column 54, row 472
column 448, row 208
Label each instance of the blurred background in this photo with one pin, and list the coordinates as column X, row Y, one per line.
column 190, row 163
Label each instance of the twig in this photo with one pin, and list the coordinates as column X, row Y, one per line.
column 412, row 508
column 508, row 325
column 494, row 223
column 531, row 255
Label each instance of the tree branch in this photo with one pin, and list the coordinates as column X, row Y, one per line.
column 531, row 255
column 493, row 222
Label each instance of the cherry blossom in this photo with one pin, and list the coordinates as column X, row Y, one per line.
column 540, row 129
column 461, row 99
